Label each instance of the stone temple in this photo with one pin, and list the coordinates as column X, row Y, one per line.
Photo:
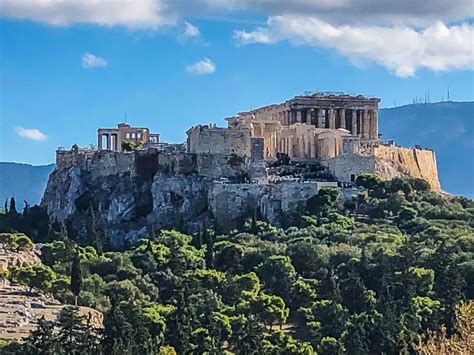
column 268, row 161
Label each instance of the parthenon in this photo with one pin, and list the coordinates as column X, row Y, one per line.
column 316, row 126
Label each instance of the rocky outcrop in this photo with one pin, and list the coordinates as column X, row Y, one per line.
column 18, row 258
column 21, row 310
column 393, row 161
column 126, row 206
column 156, row 191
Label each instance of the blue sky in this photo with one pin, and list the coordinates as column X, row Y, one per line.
column 63, row 76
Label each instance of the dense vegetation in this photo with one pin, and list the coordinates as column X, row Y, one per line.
column 368, row 276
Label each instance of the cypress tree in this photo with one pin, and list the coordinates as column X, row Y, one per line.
column 13, row 205
column 76, row 277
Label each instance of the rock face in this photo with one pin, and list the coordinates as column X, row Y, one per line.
column 20, row 311
column 127, row 196
column 130, row 195
column 392, row 161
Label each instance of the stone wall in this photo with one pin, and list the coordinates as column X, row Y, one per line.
column 215, row 140
column 394, row 161
column 387, row 161
column 347, row 167
column 278, row 204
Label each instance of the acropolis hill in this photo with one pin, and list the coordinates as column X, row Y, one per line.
column 269, row 161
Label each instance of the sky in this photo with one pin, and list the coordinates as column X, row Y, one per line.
column 69, row 67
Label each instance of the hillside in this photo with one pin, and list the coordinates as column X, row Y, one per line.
column 23, row 181
column 446, row 127
column 366, row 276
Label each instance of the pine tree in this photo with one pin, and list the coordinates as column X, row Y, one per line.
column 76, row 277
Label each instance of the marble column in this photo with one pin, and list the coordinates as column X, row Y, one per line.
column 298, row 116
column 99, row 141
column 332, row 118
column 354, row 122
column 343, row 118
column 108, row 141
column 321, row 118
column 365, row 124
column 374, row 132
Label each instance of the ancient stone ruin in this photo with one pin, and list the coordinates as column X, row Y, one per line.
column 267, row 161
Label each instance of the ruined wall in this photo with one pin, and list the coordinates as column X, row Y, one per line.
column 98, row 163
column 392, row 161
column 230, row 204
column 347, row 167
column 216, row 140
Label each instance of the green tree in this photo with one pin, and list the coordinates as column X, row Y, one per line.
column 12, row 209
column 76, row 277
column 278, row 275
column 23, row 242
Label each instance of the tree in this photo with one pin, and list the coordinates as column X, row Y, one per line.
column 4, row 273
column 23, row 242
column 7, row 241
column 76, row 277
column 70, row 333
column 38, row 276
column 279, row 343
column 369, row 181
column 131, row 329
column 12, row 206
column 325, row 201
column 278, row 275
column 461, row 342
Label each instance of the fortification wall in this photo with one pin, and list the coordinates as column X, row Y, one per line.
column 215, row 140
column 346, row 167
column 392, row 161
column 232, row 203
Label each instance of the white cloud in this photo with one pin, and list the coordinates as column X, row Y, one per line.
column 400, row 49
column 156, row 13
column 419, row 12
column 205, row 66
column 31, row 133
column 190, row 30
column 129, row 13
column 89, row 60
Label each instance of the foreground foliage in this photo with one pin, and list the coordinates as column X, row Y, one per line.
column 377, row 274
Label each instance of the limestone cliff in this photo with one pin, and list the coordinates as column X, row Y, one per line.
column 392, row 161
column 125, row 206
column 128, row 195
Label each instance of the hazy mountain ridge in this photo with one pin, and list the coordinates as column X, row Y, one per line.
column 23, row 181
column 445, row 127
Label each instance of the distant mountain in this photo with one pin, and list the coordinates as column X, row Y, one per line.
column 24, row 182
column 447, row 128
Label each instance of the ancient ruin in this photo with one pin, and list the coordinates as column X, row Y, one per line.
column 113, row 138
column 267, row 161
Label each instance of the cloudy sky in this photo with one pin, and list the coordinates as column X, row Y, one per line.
column 68, row 67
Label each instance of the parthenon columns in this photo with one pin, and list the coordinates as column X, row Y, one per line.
column 298, row 116
column 321, row 118
column 332, row 118
column 354, row 122
column 343, row 118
